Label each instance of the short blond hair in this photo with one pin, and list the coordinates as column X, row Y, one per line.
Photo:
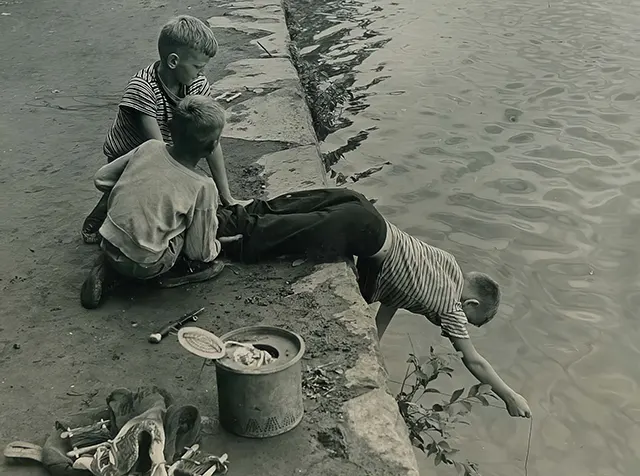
column 185, row 31
column 488, row 292
column 194, row 121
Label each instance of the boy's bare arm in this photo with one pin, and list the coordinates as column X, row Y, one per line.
column 148, row 125
column 219, row 174
column 200, row 243
column 484, row 372
column 107, row 176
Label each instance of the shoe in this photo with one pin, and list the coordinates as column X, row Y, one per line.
column 182, row 429
column 91, row 237
column 189, row 272
column 97, row 283
column 21, row 450
column 90, row 231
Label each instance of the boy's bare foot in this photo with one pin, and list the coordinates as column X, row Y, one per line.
column 189, row 272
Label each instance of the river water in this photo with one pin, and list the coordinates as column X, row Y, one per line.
column 511, row 131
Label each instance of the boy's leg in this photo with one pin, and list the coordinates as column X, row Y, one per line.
column 303, row 201
column 367, row 270
column 170, row 271
column 94, row 221
column 331, row 225
column 112, row 265
column 100, row 278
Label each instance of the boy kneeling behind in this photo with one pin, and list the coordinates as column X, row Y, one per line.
column 161, row 219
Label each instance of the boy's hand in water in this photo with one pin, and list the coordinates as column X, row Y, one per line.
column 481, row 369
column 517, row 406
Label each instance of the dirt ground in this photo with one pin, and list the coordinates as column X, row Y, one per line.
column 66, row 63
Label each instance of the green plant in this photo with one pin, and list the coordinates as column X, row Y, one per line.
column 430, row 427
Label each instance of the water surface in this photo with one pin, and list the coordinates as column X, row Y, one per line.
column 512, row 131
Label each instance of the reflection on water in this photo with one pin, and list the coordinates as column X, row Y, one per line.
column 512, row 132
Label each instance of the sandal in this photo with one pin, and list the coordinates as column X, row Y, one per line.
column 91, row 230
column 23, row 450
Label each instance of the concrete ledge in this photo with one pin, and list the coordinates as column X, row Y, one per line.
column 375, row 435
column 281, row 115
column 293, row 169
column 260, row 17
column 258, row 73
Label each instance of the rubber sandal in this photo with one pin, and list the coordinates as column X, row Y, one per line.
column 91, row 230
column 91, row 238
column 23, row 450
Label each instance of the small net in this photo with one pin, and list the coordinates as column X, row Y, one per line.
column 201, row 343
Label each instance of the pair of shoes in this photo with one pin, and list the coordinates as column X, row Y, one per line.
column 189, row 272
column 100, row 280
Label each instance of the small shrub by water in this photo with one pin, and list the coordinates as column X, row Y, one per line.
column 430, row 427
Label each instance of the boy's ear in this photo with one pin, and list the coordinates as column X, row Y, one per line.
column 172, row 60
column 471, row 302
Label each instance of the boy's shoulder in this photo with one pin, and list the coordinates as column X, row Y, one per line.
column 147, row 74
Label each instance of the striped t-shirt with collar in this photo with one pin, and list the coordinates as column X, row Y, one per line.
column 146, row 94
column 424, row 280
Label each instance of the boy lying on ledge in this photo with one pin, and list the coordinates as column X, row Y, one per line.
column 164, row 223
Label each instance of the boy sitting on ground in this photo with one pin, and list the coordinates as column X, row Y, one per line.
column 160, row 207
column 185, row 45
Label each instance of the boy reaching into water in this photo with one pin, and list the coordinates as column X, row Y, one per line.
column 160, row 209
column 412, row 275
column 185, row 46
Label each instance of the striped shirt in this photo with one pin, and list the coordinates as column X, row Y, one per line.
column 145, row 94
column 424, row 280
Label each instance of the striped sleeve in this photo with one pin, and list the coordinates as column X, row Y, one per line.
column 140, row 97
column 200, row 86
column 454, row 323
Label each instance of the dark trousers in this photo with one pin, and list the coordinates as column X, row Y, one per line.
column 322, row 224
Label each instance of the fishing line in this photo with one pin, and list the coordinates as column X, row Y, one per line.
column 526, row 459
